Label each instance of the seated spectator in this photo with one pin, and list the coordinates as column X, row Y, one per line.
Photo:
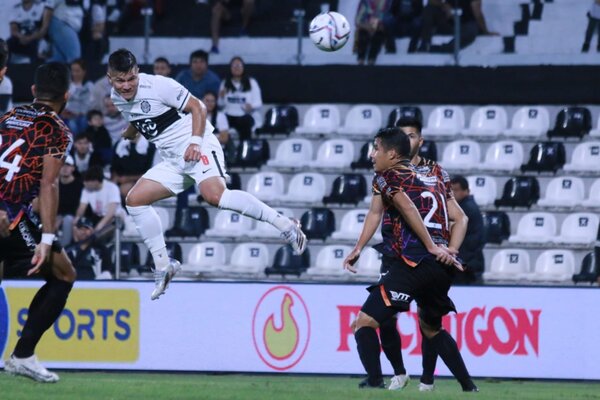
column 198, row 79
column 80, row 98
column 373, row 21
column 100, row 90
column 114, row 122
column 69, row 189
column 409, row 19
column 84, row 155
column 241, row 99
column 438, row 18
column 6, row 86
column 131, row 160
column 99, row 136
column 219, row 121
column 29, row 24
column 100, row 201
column 221, row 12
column 90, row 258
column 471, row 251
column 161, row 67
column 65, row 24
column 93, row 38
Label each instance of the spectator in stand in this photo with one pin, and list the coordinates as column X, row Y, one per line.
column 66, row 22
column 373, row 21
column 593, row 25
column 222, row 11
column 100, row 201
column 6, row 86
column 99, row 136
column 69, row 189
column 29, row 24
column 100, row 90
column 131, row 160
column 198, row 79
column 219, row 121
column 80, row 98
column 90, row 257
column 409, row 19
column 471, row 250
column 84, row 155
column 93, row 38
column 161, row 67
column 113, row 120
column 438, row 18
column 241, row 99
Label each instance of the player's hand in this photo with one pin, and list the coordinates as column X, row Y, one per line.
column 351, row 260
column 192, row 153
column 40, row 256
column 4, row 224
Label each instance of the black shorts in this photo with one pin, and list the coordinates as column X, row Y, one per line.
column 17, row 249
column 428, row 284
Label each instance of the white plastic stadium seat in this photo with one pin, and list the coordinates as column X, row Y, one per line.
column 306, row 187
column 505, row 155
column 249, row 258
column 369, row 264
column 529, row 122
column 320, row 118
column 266, row 230
column 487, row 121
column 334, row 153
column 593, row 199
column 293, row 153
column 229, row 223
column 564, row 191
column 586, row 157
column 351, row 225
column 205, row 257
column 554, row 266
column 579, row 228
column 330, row 261
column 266, row 186
column 362, row 119
column 461, row 154
column 509, row 264
column 163, row 214
column 596, row 132
column 445, row 121
column 483, row 188
column 535, row 227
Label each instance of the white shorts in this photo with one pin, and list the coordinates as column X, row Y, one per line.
column 178, row 175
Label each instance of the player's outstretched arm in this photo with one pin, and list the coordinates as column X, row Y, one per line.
column 198, row 111
column 369, row 228
column 459, row 226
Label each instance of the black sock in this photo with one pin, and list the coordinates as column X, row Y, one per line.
column 392, row 345
column 367, row 344
column 429, row 360
column 446, row 347
column 44, row 309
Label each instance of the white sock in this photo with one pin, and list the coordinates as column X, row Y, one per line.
column 248, row 205
column 149, row 227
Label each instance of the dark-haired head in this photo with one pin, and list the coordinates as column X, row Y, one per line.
column 394, row 139
column 51, row 82
column 199, row 54
column 123, row 73
column 3, row 57
column 122, row 60
column 410, row 122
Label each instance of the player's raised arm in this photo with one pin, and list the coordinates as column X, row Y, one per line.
column 198, row 111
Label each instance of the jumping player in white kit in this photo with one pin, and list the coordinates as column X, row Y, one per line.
column 166, row 114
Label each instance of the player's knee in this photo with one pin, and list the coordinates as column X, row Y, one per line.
column 364, row 320
column 211, row 193
column 431, row 328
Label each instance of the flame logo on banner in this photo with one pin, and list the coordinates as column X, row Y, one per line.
column 282, row 342
column 281, row 328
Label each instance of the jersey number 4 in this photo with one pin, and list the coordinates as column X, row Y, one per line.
column 13, row 166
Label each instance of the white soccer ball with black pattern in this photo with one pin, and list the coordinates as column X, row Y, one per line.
column 329, row 31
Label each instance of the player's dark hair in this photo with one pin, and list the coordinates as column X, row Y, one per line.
column 244, row 79
column 410, row 122
column 94, row 173
column 163, row 60
column 3, row 53
column 460, row 181
column 122, row 60
column 203, row 55
column 51, row 81
column 92, row 113
column 394, row 139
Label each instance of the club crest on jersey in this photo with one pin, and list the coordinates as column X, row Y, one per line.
column 145, row 106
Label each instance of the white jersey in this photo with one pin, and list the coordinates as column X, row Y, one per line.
column 28, row 21
column 157, row 113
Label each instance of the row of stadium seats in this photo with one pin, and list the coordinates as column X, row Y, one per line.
column 504, row 155
column 446, row 120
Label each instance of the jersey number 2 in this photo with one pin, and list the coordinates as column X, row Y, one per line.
column 13, row 167
column 434, row 206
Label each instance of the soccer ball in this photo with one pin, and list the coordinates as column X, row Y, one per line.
column 329, row 31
